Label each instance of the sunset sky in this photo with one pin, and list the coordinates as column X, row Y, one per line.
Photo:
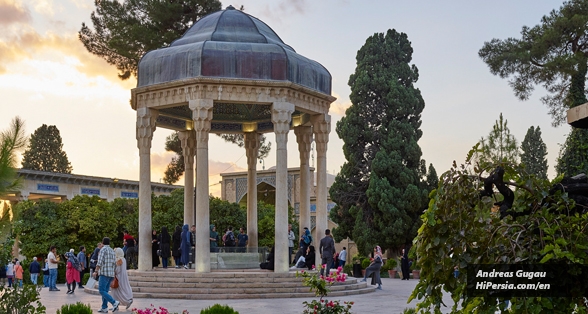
column 48, row 77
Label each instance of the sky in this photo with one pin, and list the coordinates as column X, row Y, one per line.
column 48, row 77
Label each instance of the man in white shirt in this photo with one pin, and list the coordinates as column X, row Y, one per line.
column 53, row 263
column 343, row 257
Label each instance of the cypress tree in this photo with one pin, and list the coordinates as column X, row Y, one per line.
column 379, row 191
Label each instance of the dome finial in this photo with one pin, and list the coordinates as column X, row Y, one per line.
column 230, row 7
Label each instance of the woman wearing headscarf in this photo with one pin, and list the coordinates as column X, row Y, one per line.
column 176, row 241
column 124, row 293
column 164, row 244
column 375, row 267
column 72, row 275
column 213, row 239
column 154, row 248
column 310, row 257
column 18, row 274
column 185, row 245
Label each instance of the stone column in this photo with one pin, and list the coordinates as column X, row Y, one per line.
column 281, row 117
column 252, row 140
column 202, row 116
column 145, row 128
column 304, row 139
column 188, row 140
column 321, row 128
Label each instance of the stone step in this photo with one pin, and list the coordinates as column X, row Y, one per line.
column 236, row 284
column 240, row 290
column 225, row 296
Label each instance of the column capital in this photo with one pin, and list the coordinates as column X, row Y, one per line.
column 145, row 128
column 281, row 116
column 252, row 143
column 188, row 141
column 304, row 140
column 321, row 127
column 202, row 117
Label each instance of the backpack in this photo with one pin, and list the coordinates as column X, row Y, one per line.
column 229, row 239
column 307, row 239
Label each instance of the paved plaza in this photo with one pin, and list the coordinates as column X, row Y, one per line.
column 392, row 299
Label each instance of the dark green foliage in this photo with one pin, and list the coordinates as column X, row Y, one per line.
column 168, row 210
column 45, row 151
column 85, row 220
column 224, row 214
column 348, row 269
column 25, row 300
column 85, row 278
column 500, row 145
column 266, row 223
column 219, row 309
column 78, row 308
column 11, row 140
column 365, row 263
column 552, row 54
column 175, row 169
column 459, row 229
column 534, row 153
column 125, row 30
column 380, row 191
column 573, row 158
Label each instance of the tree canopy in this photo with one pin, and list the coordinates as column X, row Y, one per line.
column 534, row 153
column 125, row 30
column 379, row 191
column 500, row 145
column 553, row 54
column 460, row 230
column 45, row 151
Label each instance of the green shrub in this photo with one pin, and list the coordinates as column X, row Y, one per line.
column 365, row 263
column 411, row 310
column 391, row 264
column 85, row 279
column 78, row 308
column 219, row 309
column 25, row 300
column 348, row 268
column 357, row 258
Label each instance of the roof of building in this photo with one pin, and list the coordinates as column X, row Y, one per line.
column 231, row 44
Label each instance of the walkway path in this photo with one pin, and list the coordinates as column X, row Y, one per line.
column 392, row 299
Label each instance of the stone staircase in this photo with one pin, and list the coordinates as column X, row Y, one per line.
column 235, row 284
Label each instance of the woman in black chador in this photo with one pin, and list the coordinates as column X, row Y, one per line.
column 176, row 241
column 404, row 265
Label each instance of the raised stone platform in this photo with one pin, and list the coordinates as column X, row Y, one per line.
column 233, row 284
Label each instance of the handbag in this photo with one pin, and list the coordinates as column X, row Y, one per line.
column 158, row 252
column 114, row 283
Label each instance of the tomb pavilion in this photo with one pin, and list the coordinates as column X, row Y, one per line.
column 230, row 73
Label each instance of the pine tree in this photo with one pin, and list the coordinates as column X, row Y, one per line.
column 534, row 153
column 379, row 191
column 125, row 30
column 500, row 145
column 11, row 141
column 45, row 151
column 553, row 54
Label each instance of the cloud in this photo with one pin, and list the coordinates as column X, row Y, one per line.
column 26, row 43
column 284, row 8
column 339, row 106
column 12, row 12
